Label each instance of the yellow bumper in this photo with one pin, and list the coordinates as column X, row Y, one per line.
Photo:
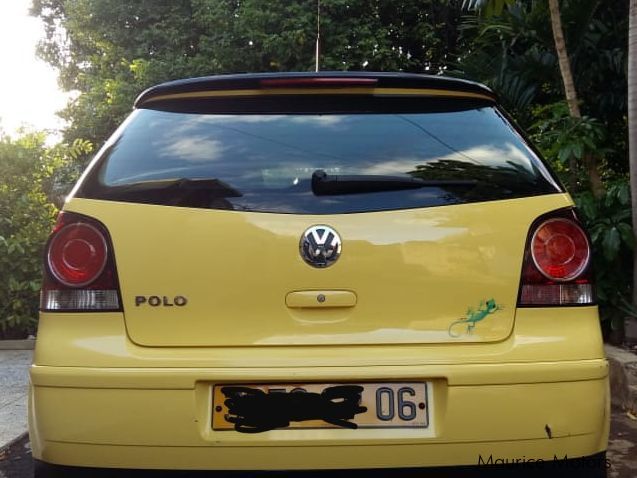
column 99, row 400
column 160, row 418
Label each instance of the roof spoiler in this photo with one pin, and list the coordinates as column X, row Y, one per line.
column 257, row 84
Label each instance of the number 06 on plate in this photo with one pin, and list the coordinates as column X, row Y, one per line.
column 384, row 405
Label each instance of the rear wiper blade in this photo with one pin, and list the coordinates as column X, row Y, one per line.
column 324, row 184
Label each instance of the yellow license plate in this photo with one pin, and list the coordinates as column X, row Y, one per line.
column 257, row 408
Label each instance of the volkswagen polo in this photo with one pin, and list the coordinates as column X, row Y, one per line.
column 330, row 271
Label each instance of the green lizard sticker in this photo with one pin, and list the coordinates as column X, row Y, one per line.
column 473, row 316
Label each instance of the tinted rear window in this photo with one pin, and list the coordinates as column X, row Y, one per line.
column 265, row 162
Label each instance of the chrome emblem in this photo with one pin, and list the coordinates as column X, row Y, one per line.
column 320, row 246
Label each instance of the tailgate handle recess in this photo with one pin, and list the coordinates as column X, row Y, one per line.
column 320, row 299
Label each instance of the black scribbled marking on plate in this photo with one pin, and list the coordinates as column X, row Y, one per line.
column 254, row 411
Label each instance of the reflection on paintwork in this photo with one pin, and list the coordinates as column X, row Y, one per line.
column 530, row 340
column 111, row 345
column 385, row 335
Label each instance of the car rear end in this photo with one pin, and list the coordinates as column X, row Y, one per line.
column 318, row 272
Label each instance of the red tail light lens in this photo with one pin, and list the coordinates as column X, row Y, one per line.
column 556, row 267
column 79, row 271
column 560, row 249
column 77, row 254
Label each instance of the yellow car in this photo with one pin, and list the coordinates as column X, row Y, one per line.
column 325, row 271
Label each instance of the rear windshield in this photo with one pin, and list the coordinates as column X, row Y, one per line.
column 267, row 162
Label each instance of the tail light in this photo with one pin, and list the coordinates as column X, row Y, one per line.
column 79, row 268
column 557, row 266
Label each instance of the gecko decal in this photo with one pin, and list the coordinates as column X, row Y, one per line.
column 466, row 326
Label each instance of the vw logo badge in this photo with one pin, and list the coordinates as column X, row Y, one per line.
column 320, row 246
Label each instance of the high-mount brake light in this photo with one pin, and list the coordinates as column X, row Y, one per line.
column 556, row 267
column 316, row 82
column 79, row 271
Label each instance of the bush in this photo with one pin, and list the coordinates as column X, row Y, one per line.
column 608, row 220
column 31, row 177
column 25, row 220
column 565, row 141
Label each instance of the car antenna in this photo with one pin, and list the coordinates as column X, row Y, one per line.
column 318, row 34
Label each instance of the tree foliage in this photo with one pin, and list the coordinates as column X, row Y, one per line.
column 31, row 176
column 514, row 51
column 110, row 50
column 515, row 54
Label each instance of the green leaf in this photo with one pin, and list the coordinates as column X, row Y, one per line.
column 611, row 243
column 565, row 153
column 623, row 194
column 587, row 205
column 596, row 234
column 627, row 234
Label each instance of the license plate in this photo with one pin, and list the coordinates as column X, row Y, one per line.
column 261, row 407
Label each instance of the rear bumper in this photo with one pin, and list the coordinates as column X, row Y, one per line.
column 99, row 400
column 159, row 418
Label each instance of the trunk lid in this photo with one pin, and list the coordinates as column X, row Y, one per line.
column 416, row 275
